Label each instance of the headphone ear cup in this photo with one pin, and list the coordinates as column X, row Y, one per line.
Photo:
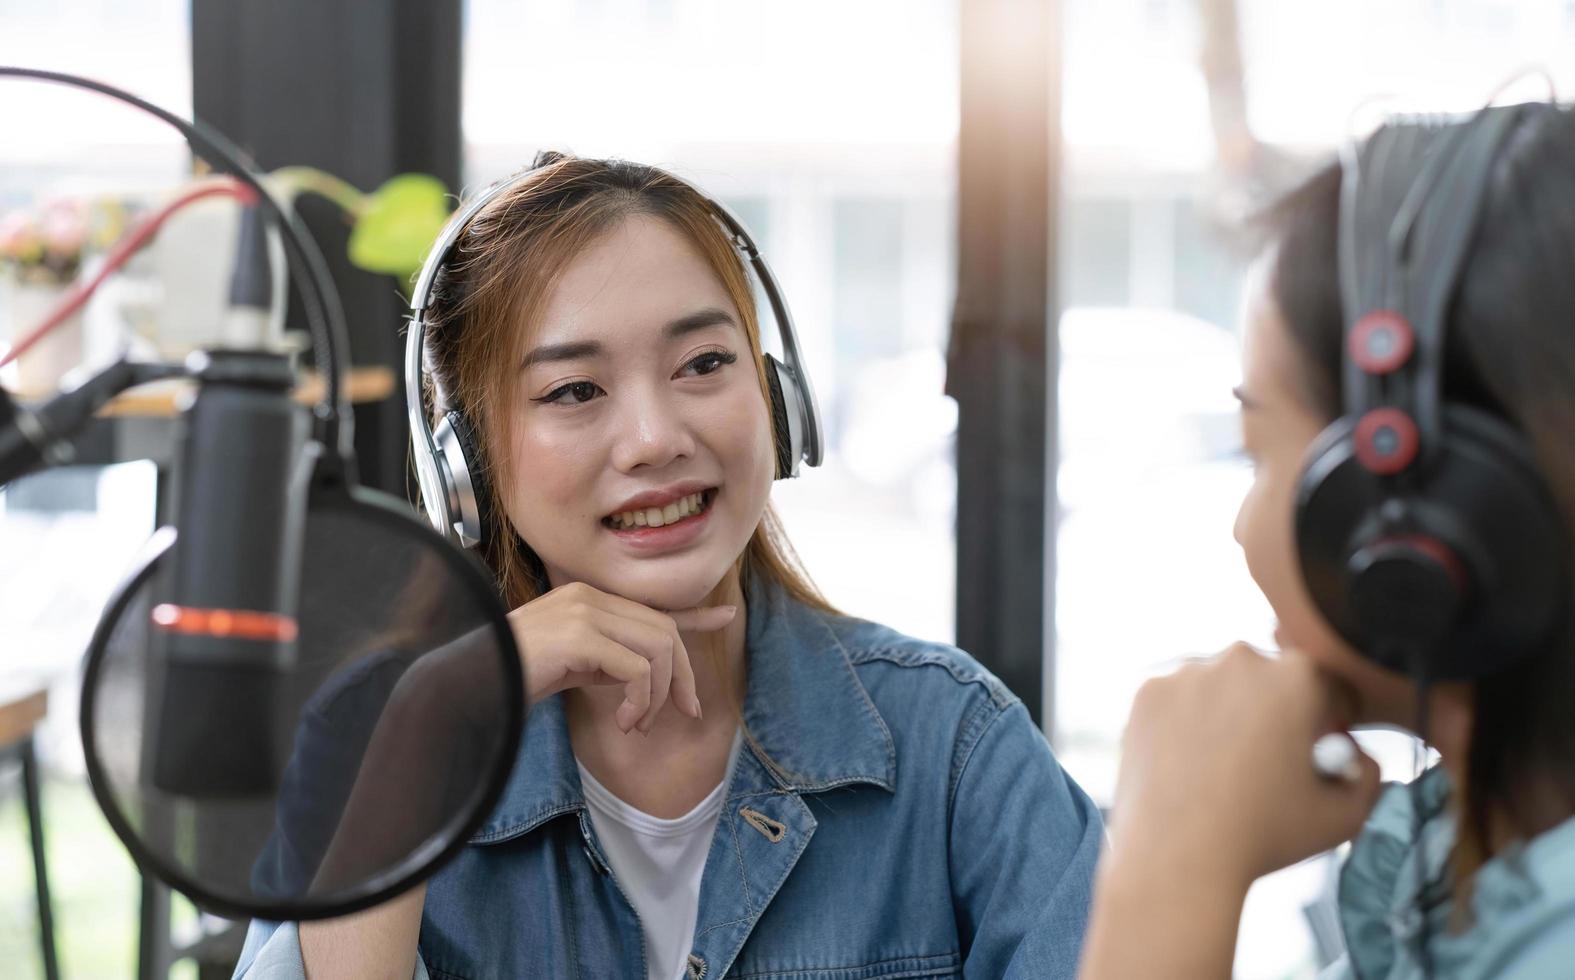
column 782, row 430
column 467, row 473
column 1479, row 507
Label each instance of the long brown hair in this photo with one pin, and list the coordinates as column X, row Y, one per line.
column 490, row 293
column 1510, row 350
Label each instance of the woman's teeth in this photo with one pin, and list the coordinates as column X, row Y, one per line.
column 688, row 506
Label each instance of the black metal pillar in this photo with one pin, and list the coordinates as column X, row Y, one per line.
column 365, row 91
column 1002, row 359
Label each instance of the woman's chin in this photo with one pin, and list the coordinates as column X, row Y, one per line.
column 661, row 585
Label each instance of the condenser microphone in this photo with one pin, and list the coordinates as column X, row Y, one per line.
column 226, row 625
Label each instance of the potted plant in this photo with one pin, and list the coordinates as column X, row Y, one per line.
column 392, row 227
column 42, row 250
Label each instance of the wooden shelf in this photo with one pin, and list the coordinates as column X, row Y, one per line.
column 22, row 709
column 164, row 398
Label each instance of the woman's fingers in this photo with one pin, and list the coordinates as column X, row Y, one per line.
column 703, row 619
column 1241, row 728
column 566, row 629
column 672, row 675
column 686, row 694
column 601, row 654
column 657, row 645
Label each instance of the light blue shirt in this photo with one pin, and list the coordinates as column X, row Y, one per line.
column 915, row 825
column 1522, row 916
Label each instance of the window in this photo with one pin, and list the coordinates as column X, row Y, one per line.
column 80, row 527
column 1096, row 245
column 1148, row 572
column 60, row 140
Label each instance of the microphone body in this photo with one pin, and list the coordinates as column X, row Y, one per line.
column 228, row 623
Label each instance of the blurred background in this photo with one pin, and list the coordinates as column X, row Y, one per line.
column 1009, row 231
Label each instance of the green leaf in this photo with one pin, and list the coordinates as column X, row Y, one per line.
column 398, row 223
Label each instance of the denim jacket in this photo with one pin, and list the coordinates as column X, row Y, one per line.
column 915, row 824
column 1522, row 917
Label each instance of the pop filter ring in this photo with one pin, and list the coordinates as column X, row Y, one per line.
column 366, row 503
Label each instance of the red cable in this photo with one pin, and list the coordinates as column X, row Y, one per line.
column 81, row 292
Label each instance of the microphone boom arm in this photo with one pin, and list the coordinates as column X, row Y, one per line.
column 32, row 438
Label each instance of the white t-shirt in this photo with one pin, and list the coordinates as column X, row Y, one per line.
column 659, row 863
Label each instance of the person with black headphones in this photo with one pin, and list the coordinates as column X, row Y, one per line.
column 721, row 775
column 1408, row 403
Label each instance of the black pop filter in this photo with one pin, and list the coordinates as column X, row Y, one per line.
column 384, row 741
column 272, row 763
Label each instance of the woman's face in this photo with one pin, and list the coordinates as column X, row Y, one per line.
column 1277, row 428
column 641, row 453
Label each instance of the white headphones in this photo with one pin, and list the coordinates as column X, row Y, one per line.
column 448, row 457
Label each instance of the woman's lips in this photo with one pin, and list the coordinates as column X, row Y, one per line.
column 669, row 536
column 663, row 508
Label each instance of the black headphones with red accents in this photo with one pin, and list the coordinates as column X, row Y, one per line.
column 1425, row 533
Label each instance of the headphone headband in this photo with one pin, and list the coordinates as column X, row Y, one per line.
column 1398, row 254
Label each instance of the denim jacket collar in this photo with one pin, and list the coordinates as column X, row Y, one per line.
column 804, row 706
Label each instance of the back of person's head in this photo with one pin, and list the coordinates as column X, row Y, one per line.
column 1509, row 351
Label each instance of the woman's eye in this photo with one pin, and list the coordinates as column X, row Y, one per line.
column 573, row 393
column 710, row 361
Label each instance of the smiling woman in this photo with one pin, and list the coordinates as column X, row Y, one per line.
column 809, row 794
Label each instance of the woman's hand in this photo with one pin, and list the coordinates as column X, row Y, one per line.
column 1216, row 760
column 1217, row 788
column 579, row 636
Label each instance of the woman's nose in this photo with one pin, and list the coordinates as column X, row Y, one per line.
column 652, row 432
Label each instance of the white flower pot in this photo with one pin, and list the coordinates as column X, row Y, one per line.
column 23, row 306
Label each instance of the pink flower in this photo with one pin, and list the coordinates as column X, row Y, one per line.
column 64, row 229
